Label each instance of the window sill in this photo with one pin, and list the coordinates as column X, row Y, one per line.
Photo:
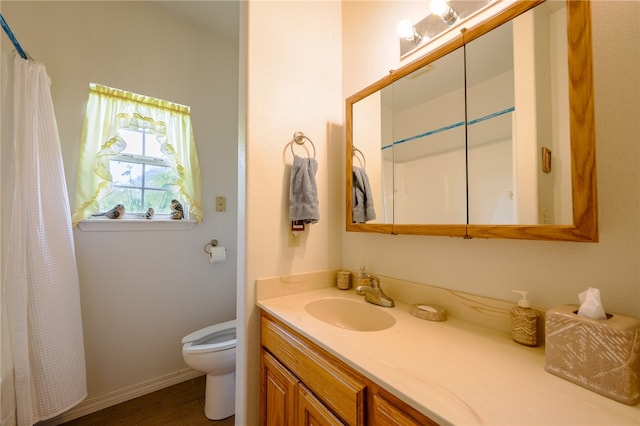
column 117, row 225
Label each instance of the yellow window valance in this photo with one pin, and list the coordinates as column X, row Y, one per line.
column 109, row 110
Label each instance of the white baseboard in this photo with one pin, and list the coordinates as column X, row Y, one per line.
column 97, row 403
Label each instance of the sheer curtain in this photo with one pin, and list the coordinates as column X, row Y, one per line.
column 43, row 365
column 110, row 109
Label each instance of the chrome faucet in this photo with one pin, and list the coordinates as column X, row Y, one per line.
column 373, row 293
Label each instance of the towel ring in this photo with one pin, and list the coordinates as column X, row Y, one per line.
column 300, row 139
column 361, row 159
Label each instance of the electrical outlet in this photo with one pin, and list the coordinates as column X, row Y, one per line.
column 221, row 204
column 545, row 215
column 294, row 239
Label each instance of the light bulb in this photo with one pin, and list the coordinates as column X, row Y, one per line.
column 444, row 11
column 405, row 30
column 439, row 7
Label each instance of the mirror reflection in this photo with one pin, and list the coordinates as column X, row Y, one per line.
column 440, row 152
column 491, row 113
column 517, row 108
column 372, row 163
column 429, row 143
column 480, row 135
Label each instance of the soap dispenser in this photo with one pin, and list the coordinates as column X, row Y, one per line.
column 524, row 321
column 363, row 276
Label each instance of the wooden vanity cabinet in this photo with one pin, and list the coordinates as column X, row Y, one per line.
column 284, row 398
column 302, row 384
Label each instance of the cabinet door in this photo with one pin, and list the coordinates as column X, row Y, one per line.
column 279, row 393
column 311, row 412
column 387, row 413
column 335, row 384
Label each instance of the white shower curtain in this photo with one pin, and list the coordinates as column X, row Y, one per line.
column 43, row 366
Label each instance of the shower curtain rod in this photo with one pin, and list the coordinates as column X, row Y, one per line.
column 12, row 37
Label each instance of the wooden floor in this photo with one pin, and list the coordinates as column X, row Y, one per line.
column 179, row 405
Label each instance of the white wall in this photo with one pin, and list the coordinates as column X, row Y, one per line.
column 294, row 84
column 553, row 272
column 143, row 291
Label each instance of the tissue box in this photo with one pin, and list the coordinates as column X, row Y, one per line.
column 600, row 355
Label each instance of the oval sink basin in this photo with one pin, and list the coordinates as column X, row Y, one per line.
column 350, row 314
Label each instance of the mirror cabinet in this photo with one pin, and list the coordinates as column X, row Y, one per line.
column 489, row 136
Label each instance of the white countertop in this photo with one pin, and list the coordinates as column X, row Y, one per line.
column 453, row 371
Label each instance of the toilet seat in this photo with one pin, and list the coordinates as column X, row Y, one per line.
column 214, row 338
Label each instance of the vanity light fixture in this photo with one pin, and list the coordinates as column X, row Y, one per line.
column 442, row 9
column 408, row 32
column 444, row 16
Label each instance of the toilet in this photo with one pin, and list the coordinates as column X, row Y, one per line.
column 212, row 350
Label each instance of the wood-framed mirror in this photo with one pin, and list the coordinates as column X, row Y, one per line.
column 501, row 143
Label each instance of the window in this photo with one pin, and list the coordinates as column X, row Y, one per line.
column 136, row 151
column 142, row 176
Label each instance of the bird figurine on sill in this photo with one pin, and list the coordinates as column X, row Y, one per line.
column 177, row 212
column 150, row 213
column 115, row 213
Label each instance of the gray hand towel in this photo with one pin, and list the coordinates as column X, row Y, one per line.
column 363, row 209
column 303, row 191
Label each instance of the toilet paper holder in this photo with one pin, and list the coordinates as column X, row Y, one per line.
column 210, row 245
